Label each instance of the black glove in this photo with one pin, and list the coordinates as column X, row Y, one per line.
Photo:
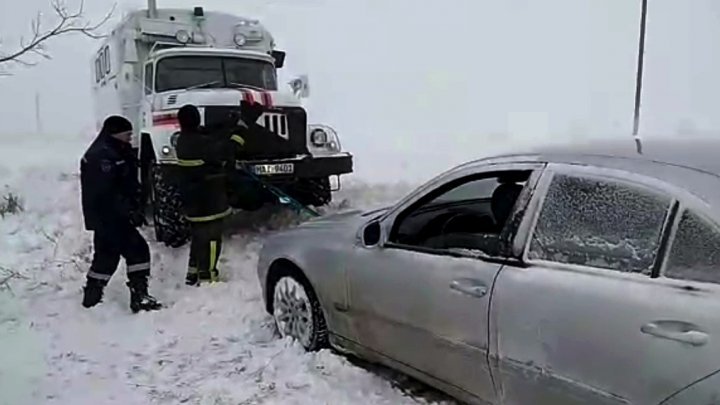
column 137, row 219
column 250, row 112
column 234, row 118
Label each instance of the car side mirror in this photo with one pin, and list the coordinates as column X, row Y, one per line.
column 279, row 57
column 300, row 86
column 371, row 234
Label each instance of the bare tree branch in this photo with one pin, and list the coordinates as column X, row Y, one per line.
column 68, row 22
column 6, row 275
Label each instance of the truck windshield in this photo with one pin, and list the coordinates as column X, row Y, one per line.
column 180, row 72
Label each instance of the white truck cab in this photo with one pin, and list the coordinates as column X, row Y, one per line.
column 157, row 60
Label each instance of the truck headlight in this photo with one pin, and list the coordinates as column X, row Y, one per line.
column 240, row 39
column 319, row 137
column 165, row 150
column 182, row 36
column 324, row 137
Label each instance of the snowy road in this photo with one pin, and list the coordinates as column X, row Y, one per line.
column 213, row 345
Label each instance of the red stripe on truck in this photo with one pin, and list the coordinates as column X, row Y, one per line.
column 248, row 96
column 267, row 99
column 165, row 119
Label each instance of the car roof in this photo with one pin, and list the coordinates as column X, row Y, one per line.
column 689, row 163
column 698, row 154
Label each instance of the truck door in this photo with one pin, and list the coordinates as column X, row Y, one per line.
column 147, row 98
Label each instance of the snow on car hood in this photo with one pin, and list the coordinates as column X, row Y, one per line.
column 351, row 217
column 337, row 218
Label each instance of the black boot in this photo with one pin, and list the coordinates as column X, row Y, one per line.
column 212, row 276
column 93, row 292
column 191, row 278
column 140, row 300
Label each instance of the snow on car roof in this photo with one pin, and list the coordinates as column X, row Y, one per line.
column 699, row 154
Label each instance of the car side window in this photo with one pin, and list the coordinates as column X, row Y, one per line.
column 467, row 214
column 695, row 251
column 599, row 223
column 149, row 78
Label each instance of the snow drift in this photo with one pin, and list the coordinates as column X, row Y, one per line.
column 212, row 345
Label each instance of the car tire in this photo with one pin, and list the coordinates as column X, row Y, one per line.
column 296, row 309
column 171, row 227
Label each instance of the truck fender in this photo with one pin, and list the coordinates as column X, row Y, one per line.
column 159, row 145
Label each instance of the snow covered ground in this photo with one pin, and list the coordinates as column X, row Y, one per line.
column 212, row 345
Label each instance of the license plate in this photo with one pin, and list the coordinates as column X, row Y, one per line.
column 280, row 168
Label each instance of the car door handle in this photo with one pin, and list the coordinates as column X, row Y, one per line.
column 476, row 288
column 678, row 331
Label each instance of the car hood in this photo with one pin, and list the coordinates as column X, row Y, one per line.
column 346, row 218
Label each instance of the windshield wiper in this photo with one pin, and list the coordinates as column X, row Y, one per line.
column 246, row 86
column 203, row 85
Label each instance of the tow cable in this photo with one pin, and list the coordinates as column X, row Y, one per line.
column 282, row 196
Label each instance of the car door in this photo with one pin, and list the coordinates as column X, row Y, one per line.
column 587, row 320
column 426, row 308
column 690, row 275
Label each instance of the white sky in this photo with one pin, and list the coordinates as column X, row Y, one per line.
column 441, row 80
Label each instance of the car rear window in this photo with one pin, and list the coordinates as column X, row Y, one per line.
column 695, row 251
column 599, row 223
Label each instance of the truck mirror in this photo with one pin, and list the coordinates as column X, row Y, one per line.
column 279, row 57
column 300, row 86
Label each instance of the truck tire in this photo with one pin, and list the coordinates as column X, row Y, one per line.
column 171, row 227
column 315, row 192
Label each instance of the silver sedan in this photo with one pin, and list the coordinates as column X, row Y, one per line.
column 551, row 277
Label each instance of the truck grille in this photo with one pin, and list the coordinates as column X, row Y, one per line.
column 285, row 135
column 276, row 123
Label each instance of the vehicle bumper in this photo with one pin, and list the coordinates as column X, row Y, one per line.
column 300, row 167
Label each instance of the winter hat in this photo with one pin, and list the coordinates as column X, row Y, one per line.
column 189, row 117
column 115, row 125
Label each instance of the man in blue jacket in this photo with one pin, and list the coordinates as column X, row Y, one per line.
column 111, row 209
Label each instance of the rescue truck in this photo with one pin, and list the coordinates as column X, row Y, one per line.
column 157, row 60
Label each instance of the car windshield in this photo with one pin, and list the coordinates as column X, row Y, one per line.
column 182, row 72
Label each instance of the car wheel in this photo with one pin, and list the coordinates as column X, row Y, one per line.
column 297, row 312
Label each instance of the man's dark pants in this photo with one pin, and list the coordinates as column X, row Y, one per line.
column 205, row 250
column 110, row 244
